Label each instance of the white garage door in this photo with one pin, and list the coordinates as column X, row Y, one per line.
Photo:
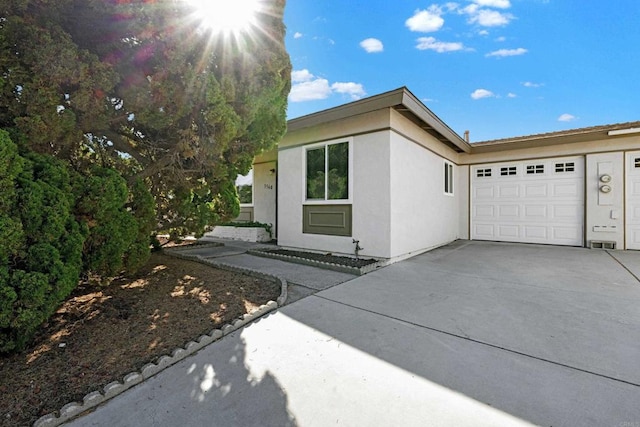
column 537, row 201
column 632, row 225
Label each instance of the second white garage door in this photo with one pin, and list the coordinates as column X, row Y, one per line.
column 538, row 201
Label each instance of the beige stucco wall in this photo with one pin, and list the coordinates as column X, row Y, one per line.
column 369, row 198
column 264, row 193
column 412, row 132
column 506, row 153
column 363, row 123
column 605, row 211
column 422, row 215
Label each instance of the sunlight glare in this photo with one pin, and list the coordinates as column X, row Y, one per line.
column 226, row 16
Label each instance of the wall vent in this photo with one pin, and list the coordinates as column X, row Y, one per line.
column 603, row 244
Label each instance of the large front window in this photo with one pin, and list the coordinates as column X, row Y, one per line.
column 328, row 172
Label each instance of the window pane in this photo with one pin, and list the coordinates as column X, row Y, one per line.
column 245, row 193
column 244, row 187
column 338, row 185
column 315, row 173
column 446, row 178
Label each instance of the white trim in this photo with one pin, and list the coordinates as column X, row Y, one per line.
column 623, row 131
column 349, row 200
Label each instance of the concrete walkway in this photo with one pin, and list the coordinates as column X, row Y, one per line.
column 302, row 280
column 472, row 334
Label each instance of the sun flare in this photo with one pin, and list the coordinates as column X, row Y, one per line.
column 226, row 16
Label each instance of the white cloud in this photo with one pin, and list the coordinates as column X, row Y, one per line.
column 430, row 43
column 566, row 117
column 482, row 93
column 310, row 90
column 531, row 84
column 355, row 90
column 426, row 21
column 483, row 32
column 511, row 95
column 298, row 76
column 297, row 35
column 501, row 53
column 499, row 4
column 451, row 6
column 489, row 18
column 372, row 45
column 307, row 87
column 501, row 39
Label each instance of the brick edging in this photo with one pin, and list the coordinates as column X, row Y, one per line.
column 359, row 271
column 95, row 398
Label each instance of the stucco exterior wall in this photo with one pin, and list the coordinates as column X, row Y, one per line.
column 422, row 215
column 605, row 211
column 350, row 126
column 264, row 193
column 369, row 199
column 506, row 152
column 412, row 132
column 463, row 182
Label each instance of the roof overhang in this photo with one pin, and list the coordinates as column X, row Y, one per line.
column 594, row 133
column 401, row 100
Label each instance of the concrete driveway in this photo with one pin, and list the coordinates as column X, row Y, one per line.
column 474, row 333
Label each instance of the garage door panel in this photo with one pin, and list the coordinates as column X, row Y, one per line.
column 485, row 211
column 535, row 232
column 508, row 211
column 541, row 202
column 565, row 212
column 535, row 212
column 485, row 231
column 567, row 233
column 508, row 231
column 569, row 189
column 508, row 191
column 536, row 190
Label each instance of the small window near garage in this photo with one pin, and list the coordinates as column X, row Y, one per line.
column 535, row 169
column 565, row 167
column 482, row 173
column 448, row 178
column 636, row 162
column 508, row 171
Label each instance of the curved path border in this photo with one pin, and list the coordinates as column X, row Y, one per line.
column 98, row 397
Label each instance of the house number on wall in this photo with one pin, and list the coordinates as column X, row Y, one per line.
column 268, row 186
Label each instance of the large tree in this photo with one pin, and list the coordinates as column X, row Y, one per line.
column 145, row 88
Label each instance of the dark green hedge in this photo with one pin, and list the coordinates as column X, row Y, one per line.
column 56, row 224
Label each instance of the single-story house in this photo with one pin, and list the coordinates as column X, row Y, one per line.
column 386, row 172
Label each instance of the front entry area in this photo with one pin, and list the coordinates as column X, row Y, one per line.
column 533, row 201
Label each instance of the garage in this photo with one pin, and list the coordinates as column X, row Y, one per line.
column 633, row 200
column 533, row 201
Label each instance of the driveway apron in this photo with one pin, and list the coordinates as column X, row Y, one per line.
column 474, row 333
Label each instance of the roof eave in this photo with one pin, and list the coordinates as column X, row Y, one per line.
column 392, row 99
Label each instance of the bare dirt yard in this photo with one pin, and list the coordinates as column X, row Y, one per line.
column 101, row 333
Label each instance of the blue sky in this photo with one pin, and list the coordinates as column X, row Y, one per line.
column 498, row 68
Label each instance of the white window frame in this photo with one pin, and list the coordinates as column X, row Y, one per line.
column 253, row 189
column 325, row 201
column 448, row 179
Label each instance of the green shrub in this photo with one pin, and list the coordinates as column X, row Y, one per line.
column 118, row 224
column 40, row 265
column 55, row 224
